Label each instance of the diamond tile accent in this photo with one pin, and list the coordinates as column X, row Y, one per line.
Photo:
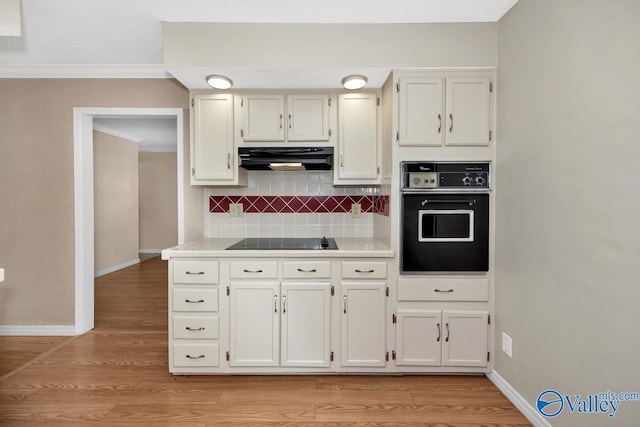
column 301, row 204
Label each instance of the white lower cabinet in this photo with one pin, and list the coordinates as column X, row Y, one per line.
column 363, row 324
column 442, row 338
column 280, row 324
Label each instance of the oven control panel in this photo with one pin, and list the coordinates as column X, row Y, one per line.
column 458, row 176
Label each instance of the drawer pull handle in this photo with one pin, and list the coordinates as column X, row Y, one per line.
column 201, row 328
column 191, row 272
column 252, row 271
column 313, row 270
column 275, row 303
column 443, row 292
column 439, row 332
column 447, row 326
column 284, row 304
column 194, row 302
column 344, row 300
column 364, row 271
column 195, row 357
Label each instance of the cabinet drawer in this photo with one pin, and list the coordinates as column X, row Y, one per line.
column 196, row 354
column 443, row 289
column 205, row 272
column 253, row 270
column 192, row 299
column 364, row 270
column 306, row 270
column 196, row 327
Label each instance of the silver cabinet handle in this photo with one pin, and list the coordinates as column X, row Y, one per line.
column 313, row 270
column 284, row 304
column 451, row 118
column 439, row 332
column 195, row 357
column 344, row 299
column 252, row 271
column 290, row 122
column 341, row 160
column 192, row 272
column 280, row 121
column 365, row 271
column 194, row 302
column 201, row 328
column 443, row 292
column 228, row 160
column 439, row 123
column 275, row 303
column 447, row 326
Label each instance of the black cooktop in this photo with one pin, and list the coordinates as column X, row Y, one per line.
column 285, row 243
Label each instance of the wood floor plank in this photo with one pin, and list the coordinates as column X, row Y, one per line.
column 245, row 383
column 68, row 412
column 315, row 397
column 212, row 413
column 418, row 413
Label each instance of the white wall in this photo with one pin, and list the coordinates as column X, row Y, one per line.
column 568, row 222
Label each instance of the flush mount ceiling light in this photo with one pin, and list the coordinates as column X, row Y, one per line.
column 219, row 82
column 354, row 82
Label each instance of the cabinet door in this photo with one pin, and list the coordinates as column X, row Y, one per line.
column 254, row 324
column 358, row 138
column 212, row 149
column 419, row 337
column 308, row 117
column 420, row 111
column 263, row 117
column 362, row 325
column 306, row 324
column 465, row 338
column 468, row 114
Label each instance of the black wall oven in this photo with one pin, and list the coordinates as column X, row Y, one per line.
column 445, row 217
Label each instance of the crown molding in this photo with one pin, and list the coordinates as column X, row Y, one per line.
column 84, row 71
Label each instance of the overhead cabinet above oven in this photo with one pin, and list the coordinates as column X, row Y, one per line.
column 440, row 110
column 271, row 117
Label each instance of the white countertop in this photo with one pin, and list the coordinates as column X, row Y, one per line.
column 215, row 248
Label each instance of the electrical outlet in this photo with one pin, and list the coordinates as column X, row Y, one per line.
column 356, row 210
column 235, row 209
column 506, row 344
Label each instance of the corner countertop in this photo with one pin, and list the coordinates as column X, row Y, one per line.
column 215, row 248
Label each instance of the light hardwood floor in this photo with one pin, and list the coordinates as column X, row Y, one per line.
column 116, row 375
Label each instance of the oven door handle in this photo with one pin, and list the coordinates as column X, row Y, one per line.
column 452, row 201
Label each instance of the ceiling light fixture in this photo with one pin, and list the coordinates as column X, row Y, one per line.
column 219, row 82
column 354, row 82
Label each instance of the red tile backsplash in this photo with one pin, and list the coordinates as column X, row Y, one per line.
column 301, row 204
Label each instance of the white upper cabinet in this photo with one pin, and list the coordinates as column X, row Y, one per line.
column 308, row 117
column 357, row 155
column 468, row 108
column 420, row 111
column 263, row 117
column 213, row 159
column 281, row 118
column 443, row 111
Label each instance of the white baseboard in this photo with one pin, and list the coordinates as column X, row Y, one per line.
column 150, row 251
column 117, row 267
column 523, row 406
column 37, row 330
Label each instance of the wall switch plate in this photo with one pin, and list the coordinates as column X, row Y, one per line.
column 356, row 210
column 1, row 274
column 235, row 209
column 507, row 344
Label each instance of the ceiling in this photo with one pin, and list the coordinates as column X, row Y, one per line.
column 152, row 134
column 123, row 38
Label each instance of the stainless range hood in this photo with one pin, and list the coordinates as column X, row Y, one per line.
column 286, row 158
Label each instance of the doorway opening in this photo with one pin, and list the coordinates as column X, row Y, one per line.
column 83, row 126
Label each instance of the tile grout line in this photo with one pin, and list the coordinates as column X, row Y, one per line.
column 39, row 357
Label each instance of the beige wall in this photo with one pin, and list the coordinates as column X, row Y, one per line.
column 158, row 200
column 115, row 201
column 568, row 228
column 36, row 186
